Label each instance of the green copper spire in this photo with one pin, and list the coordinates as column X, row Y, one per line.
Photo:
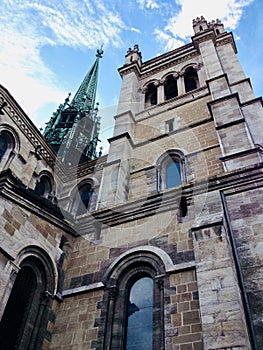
column 73, row 129
column 84, row 99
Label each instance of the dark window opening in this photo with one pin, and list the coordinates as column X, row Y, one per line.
column 151, row 95
column 66, row 120
column 3, row 146
column 200, row 28
column 183, row 207
column 43, row 186
column 217, row 31
column 85, row 193
column 14, row 321
column 170, row 88
column 169, row 125
column 190, row 79
column 140, row 315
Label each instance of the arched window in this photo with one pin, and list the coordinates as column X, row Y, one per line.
column 84, row 197
column 139, row 312
column 170, row 88
column 170, row 170
column 25, row 316
column 134, row 303
column 151, row 95
column 3, row 146
column 7, row 146
column 190, row 79
column 44, row 186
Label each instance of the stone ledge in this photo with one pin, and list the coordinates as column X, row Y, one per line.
column 82, row 289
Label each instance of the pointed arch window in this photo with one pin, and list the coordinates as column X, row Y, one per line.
column 151, row 95
column 191, row 79
column 170, row 88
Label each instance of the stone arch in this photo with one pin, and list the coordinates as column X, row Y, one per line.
column 170, row 85
column 45, row 185
column 79, row 205
column 131, row 266
column 150, row 91
column 176, row 159
column 30, row 293
column 191, row 80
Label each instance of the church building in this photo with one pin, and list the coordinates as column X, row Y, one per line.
column 157, row 245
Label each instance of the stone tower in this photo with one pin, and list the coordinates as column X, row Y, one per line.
column 157, row 245
column 73, row 129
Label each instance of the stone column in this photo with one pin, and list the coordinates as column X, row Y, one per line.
column 160, row 92
column 222, row 314
column 180, row 84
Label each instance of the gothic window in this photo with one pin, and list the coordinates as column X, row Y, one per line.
column 82, row 199
column 190, row 79
column 170, row 170
column 27, row 307
column 139, row 312
column 44, row 186
column 151, row 95
column 170, row 88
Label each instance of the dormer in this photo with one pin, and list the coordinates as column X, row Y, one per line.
column 134, row 55
column 199, row 25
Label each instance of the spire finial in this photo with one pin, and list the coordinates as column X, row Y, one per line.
column 100, row 52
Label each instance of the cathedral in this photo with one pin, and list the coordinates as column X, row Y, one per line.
column 157, row 245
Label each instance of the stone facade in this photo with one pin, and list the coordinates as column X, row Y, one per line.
column 178, row 200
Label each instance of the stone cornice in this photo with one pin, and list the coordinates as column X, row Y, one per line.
column 16, row 113
column 202, row 37
column 13, row 189
column 239, row 180
column 132, row 67
column 226, row 39
column 171, row 62
column 24, row 124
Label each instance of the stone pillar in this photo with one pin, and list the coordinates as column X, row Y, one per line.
column 237, row 146
column 180, row 84
column 160, row 93
column 222, row 314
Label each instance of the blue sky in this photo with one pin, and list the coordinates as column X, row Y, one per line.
column 47, row 46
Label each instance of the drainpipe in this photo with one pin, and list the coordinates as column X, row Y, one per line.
column 240, row 278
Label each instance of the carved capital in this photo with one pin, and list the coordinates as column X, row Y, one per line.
column 113, row 292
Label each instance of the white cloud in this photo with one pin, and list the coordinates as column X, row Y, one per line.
column 149, row 4
column 170, row 41
column 179, row 27
column 27, row 26
column 136, row 30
